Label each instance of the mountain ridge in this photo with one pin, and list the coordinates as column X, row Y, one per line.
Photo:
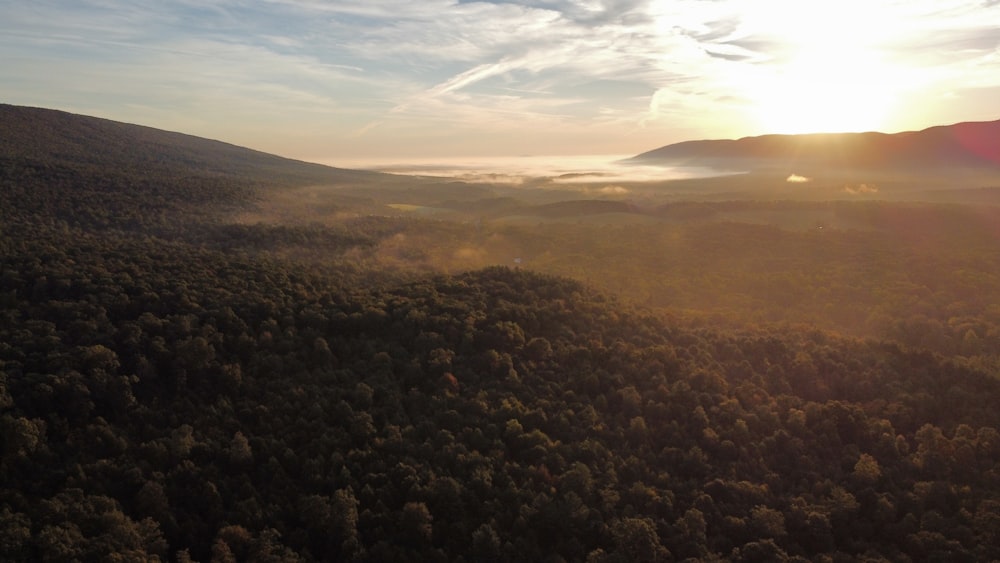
column 966, row 145
column 50, row 135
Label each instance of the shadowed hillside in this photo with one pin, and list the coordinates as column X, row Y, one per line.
column 957, row 147
column 51, row 136
column 95, row 172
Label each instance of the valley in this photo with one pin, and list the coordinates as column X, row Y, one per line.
column 213, row 354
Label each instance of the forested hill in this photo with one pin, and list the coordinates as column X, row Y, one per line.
column 200, row 397
column 96, row 173
column 56, row 138
column 972, row 145
column 162, row 401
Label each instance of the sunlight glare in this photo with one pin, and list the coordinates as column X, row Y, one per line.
column 824, row 92
column 831, row 75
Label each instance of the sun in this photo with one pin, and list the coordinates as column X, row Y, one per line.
column 828, row 73
column 824, row 92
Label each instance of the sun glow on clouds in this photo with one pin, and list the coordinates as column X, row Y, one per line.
column 829, row 71
column 314, row 79
column 826, row 92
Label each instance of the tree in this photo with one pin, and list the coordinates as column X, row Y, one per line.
column 15, row 535
column 486, row 544
column 767, row 522
column 866, row 470
column 240, row 454
column 344, row 524
column 637, row 539
column 416, row 524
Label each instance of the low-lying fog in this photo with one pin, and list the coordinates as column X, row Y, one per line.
column 519, row 169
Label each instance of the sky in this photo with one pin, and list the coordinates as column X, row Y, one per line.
column 329, row 79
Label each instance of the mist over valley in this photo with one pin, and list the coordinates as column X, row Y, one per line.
column 213, row 353
column 499, row 281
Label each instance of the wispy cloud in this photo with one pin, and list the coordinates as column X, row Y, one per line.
column 312, row 77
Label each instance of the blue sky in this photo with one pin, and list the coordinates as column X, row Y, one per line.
column 318, row 79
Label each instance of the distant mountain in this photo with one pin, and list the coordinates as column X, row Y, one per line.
column 55, row 137
column 973, row 145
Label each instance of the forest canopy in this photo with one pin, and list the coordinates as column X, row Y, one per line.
column 178, row 383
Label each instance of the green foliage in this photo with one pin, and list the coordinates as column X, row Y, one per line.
column 202, row 390
column 177, row 389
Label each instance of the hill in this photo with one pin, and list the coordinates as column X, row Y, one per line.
column 52, row 136
column 178, row 387
column 94, row 172
column 100, row 172
column 956, row 147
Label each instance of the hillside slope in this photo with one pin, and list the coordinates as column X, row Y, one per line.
column 163, row 400
column 974, row 145
column 97, row 173
column 198, row 397
column 57, row 137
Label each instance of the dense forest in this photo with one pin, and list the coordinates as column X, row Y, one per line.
column 922, row 274
column 177, row 385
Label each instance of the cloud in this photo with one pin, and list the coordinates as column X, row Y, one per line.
column 477, row 76
column 473, row 75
